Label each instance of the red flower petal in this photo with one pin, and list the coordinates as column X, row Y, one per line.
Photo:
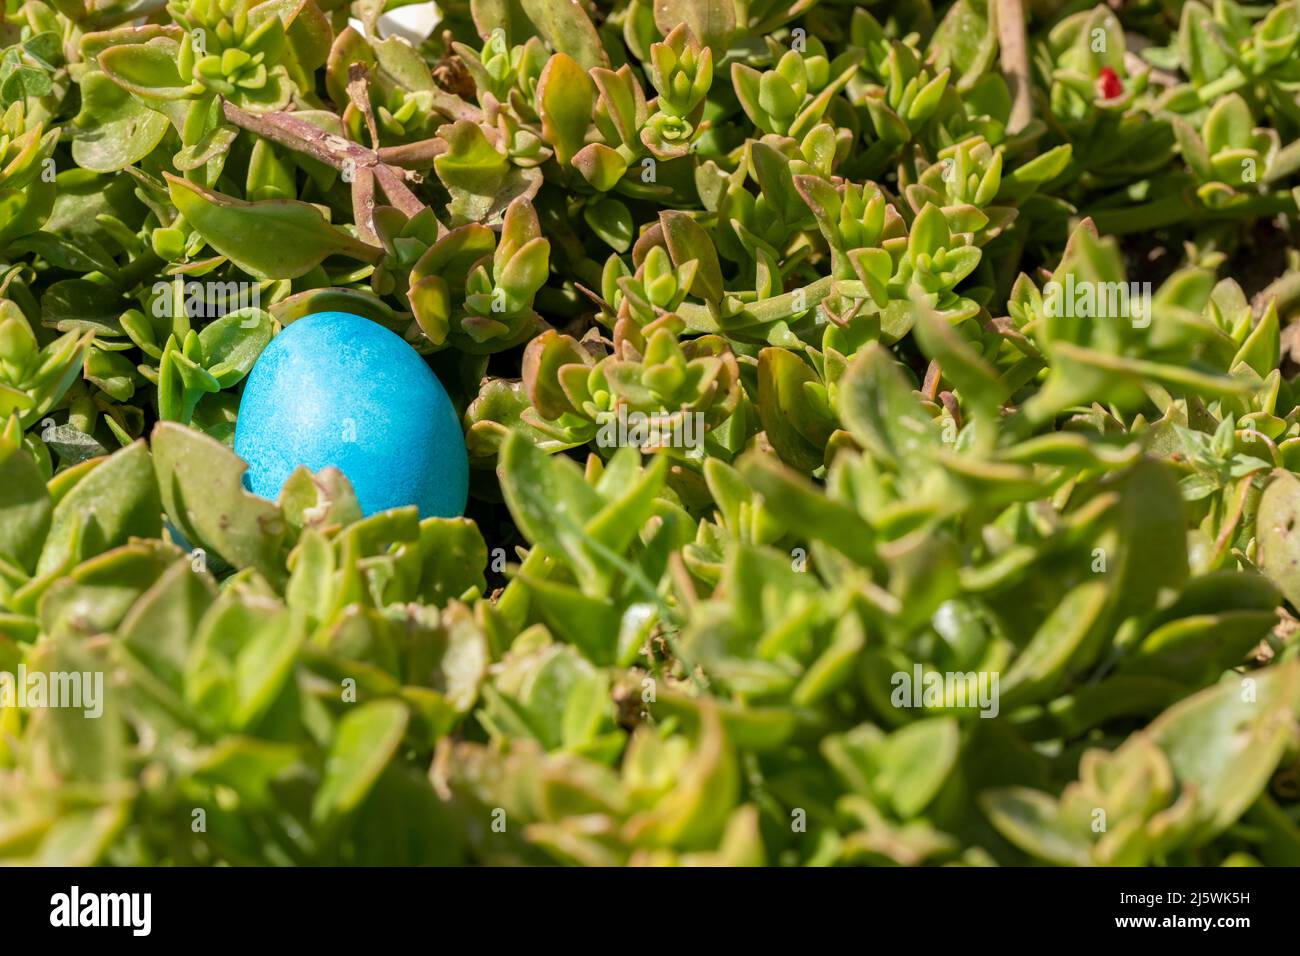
column 1108, row 84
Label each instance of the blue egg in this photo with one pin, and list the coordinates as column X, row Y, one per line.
column 336, row 389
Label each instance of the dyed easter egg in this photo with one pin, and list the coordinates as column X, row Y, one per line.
column 336, row 389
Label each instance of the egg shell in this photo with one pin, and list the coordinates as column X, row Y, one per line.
column 337, row 389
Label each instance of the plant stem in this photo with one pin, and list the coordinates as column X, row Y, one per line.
column 1174, row 210
column 299, row 135
column 1015, row 61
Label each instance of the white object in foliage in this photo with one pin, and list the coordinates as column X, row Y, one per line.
column 414, row 22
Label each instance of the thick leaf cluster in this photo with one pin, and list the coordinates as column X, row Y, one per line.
column 984, row 312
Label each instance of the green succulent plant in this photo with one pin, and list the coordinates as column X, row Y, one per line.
column 26, row 189
column 883, row 431
column 681, row 390
column 36, row 374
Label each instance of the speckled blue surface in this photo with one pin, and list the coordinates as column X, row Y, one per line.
column 336, row 389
